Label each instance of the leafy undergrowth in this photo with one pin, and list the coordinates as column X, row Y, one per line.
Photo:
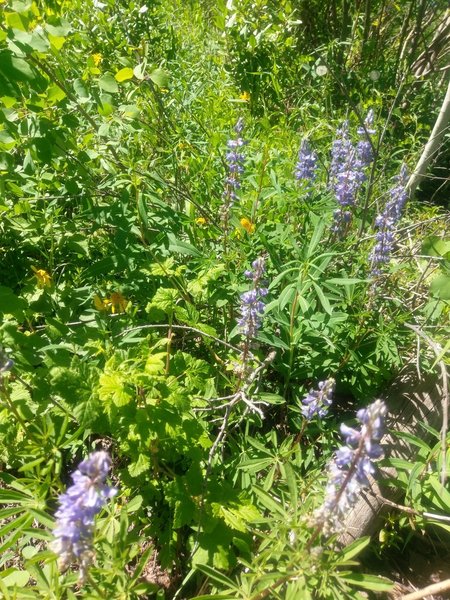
column 188, row 284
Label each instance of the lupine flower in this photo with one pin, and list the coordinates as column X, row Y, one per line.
column 352, row 464
column 306, row 164
column 77, row 509
column 348, row 170
column 235, row 161
column 252, row 308
column 317, row 402
column 385, row 223
column 364, row 147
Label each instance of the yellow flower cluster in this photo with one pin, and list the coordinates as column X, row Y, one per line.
column 116, row 303
column 247, row 225
column 43, row 279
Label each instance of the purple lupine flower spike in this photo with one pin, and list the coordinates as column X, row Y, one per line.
column 364, row 149
column 77, row 509
column 307, row 162
column 385, row 223
column 348, row 171
column 317, row 402
column 235, row 163
column 352, row 464
column 252, row 308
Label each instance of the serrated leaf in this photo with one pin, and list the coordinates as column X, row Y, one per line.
column 138, row 467
column 124, row 74
column 112, row 388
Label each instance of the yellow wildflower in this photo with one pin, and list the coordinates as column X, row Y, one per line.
column 118, row 302
column 200, row 221
column 247, row 225
column 43, row 278
column 101, row 304
column 97, row 58
column 245, row 96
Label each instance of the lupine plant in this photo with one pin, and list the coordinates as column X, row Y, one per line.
column 386, row 221
column 130, row 319
column 76, row 513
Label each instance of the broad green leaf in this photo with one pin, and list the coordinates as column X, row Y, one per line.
column 435, row 246
column 80, row 88
column 108, row 83
column 55, row 93
column 440, row 286
column 56, row 41
column 124, row 74
column 112, row 388
column 16, row 578
column 159, row 77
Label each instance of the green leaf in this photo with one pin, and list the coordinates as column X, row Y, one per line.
column 269, row 503
column 435, row 246
column 124, row 74
column 182, row 247
column 440, row 287
column 368, row 582
column 322, row 298
column 217, row 576
column 16, row 68
column 134, row 504
column 16, row 579
column 112, row 388
column 141, row 465
column 80, row 88
column 10, row 303
column 108, row 83
column 159, row 77
column 354, row 549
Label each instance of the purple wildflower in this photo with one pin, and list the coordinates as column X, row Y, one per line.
column 235, row 163
column 348, row 171
column 349, row 471
column 317, row 402
column 364, row 149
column 252, row 308
column 307, row 163
column 386, row 221
column 77, row 508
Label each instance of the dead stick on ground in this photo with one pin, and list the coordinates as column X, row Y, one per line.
column 434, row 588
